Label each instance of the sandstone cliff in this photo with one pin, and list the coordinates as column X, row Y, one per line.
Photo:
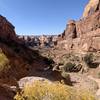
column 83, row 35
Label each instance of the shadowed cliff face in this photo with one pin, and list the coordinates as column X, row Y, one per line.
column 21, row 58
column 23, row 61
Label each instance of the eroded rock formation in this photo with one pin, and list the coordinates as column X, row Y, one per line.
column 83, row 35
column 70, row 31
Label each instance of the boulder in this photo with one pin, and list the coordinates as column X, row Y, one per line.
column 30, row 80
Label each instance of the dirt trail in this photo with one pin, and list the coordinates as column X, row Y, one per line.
column 98, row 82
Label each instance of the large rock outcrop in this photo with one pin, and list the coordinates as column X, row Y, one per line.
column 70, row 31
column 83, row 35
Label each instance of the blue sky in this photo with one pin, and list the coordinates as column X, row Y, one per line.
column 36, row 17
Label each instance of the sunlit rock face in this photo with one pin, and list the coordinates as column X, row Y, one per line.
column 83, row 35
column 91, row 7
column 88, row 24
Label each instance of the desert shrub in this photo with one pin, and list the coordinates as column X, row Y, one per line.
column 51, row 91
column 89, row 59
column 71, row 62
column 72, row 67
column 68, row 66
column 4, row 63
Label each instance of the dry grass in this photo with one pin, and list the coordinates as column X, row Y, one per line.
column 4, row 62
column 51, row 91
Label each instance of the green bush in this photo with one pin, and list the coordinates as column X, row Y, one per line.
column 88, row 58
column 71, row 62
column 69, row 66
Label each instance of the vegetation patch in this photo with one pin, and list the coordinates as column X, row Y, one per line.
column 90, row 60
column 51, row 91
column 4, row 63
